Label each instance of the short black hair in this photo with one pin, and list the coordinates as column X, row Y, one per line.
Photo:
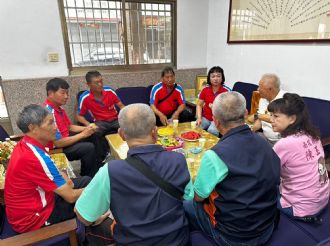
column 216, row 69
column 55, row 84
column 92, row 74
column 167, row 70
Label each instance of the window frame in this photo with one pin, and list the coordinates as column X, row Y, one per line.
column 124, row 67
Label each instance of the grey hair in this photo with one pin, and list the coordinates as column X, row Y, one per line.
column 32, row 114
column 136, row 120
column 229, row 108
column 276, row 82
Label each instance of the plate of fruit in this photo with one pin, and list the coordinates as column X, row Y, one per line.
column 170, row 143
column 190, row 136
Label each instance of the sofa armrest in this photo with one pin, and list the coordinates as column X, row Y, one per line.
column 45, row 233
column 325, row 141
column 16, row 138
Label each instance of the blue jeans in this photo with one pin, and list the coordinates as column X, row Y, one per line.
column 288, row 211
column 199, row 220
column 209, row 126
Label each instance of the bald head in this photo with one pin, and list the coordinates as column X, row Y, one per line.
column 269, row 86
column 229, row 109
column 272, row 80
column 136, row 120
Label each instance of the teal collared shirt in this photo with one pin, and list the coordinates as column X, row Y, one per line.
column 211, row 172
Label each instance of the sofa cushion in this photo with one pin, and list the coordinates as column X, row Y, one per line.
column 325, row 242
column 129, row 95
column 87, row 116
column 287, row 234
column 318, row 232
column 319, row 111
column 246, row 89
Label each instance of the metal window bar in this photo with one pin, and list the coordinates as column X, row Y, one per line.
column 130, row 25
column 69, row 28
column 87, row 33
column 141, row 10
column 110, row 30
column 141, row 56
column 122, row 30
column 125, row 31
column 173, row 31
column 134, row 33
column 129, row 29
column 131, row 15
column 81, row 51
column 158, row 36
column 145, row 32
column 97, row 48
column 165, row 46
column 152, row 34
column 102, row 38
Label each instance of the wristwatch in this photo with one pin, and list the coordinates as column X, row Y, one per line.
column 256, row 116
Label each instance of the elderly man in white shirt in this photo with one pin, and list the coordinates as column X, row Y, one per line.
column 269, row 89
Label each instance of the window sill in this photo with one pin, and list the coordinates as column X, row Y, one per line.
column 120, row 68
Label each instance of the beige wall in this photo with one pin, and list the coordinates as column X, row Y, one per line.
column 21, row 92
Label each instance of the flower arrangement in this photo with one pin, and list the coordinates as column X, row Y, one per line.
column 6, row 148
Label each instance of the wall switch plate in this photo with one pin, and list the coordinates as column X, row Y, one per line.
column 53, row 57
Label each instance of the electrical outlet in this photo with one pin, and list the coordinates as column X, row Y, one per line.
column 53, row 57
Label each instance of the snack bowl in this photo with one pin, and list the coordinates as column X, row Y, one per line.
column 191, row 136
column 166, row 131
column 170, row 143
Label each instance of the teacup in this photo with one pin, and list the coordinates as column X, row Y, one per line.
column 202, row 142
column 175, row 123
column 193, row 124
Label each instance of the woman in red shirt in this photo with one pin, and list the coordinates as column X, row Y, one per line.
column 215, row 86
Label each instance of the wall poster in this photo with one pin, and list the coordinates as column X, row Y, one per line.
column 279, row 21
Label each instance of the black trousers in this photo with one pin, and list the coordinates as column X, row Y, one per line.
column 86, row 151
column 64, row 210
column 105, row 128
column 185, row 116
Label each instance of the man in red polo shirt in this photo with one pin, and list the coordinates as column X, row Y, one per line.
column 36, row 193
column 78, row 142
column 167, row 100
column 100, row 102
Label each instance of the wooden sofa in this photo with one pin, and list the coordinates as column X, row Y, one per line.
column 64, row 233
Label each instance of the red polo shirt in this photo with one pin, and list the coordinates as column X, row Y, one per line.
column 30, row 182
column 100, row 110
column 208, row 96
column 61, row 119
column 167, row 107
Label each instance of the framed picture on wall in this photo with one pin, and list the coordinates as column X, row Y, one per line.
column 278, row 21
column 201, row 82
